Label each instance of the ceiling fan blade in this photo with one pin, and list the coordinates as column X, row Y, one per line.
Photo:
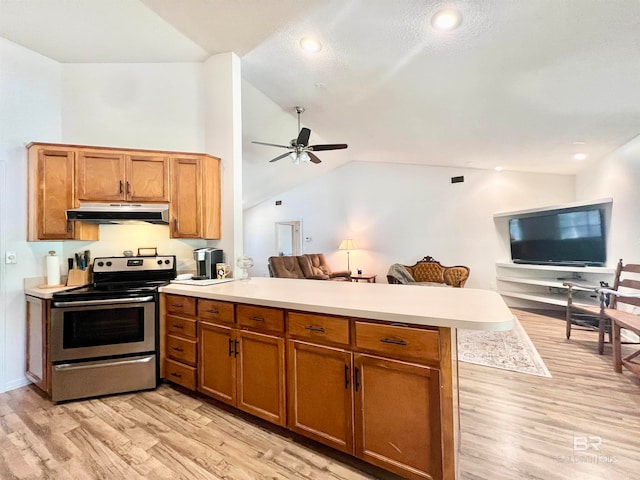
column 331, row 146
column 280, row 157
column 313, row 157
column 303, row 137
column 272, row 144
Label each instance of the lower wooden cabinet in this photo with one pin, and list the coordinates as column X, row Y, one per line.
column 38, row 366
column 320, row 398
column 244, row 369
column 397, row 420
column 366, row 388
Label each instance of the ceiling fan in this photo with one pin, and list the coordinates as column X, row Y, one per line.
column 299, row 148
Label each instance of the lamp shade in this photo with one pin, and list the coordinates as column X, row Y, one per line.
column 347, row 244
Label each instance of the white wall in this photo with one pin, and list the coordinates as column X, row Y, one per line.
column 30, row 106
column 400, row 213
column 618, row 177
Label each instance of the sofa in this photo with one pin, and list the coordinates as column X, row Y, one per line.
column 310, row 266
column 428, row 272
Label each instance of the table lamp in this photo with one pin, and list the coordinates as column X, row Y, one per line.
column 347, row 245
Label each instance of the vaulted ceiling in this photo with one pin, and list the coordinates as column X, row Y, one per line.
column 521, row 84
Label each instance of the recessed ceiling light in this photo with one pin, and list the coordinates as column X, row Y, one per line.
column 446, row 20
column 580, row 156
column 310, row 44
column 498, row 169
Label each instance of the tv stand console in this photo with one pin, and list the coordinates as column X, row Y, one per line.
column 540, row 286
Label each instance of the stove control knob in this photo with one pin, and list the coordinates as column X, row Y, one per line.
column 159, row 262
column 167, row 261
column 101, row 264
column 109, row 264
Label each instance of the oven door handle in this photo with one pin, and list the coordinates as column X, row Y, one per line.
column 110, row 301
column 80, row 366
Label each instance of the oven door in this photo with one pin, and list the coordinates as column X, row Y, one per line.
column 102, row 328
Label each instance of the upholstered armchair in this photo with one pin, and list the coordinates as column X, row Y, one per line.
column 285, row 267
column 319, row 266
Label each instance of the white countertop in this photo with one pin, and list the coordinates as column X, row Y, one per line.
column 33, row 287
column 419, row 305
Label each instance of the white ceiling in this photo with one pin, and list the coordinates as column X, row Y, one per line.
column 515, row 85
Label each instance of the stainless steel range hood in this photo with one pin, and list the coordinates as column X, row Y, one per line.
column 120, row 213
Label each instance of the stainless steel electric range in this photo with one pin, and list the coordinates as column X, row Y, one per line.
column 104, row 336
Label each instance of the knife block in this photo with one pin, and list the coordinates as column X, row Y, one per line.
column 78, row 277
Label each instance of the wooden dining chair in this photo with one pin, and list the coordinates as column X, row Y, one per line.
column 624, row 312
column 595, row 313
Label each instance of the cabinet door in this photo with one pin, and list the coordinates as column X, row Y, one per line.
column 216, row 362
column 37, row 363
column 261, row 376
column 147, row 178
column 101, row 176
column 320, row 399
column 185, row 209
column 55, row 194
column 397, row 416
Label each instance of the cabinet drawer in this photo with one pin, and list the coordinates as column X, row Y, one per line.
column 180, row 374
column 261, row 318
column 215, row 310
column 181, row 326
column 398, row 341
column 319, row 328
column 181, row 349
column 180, row 304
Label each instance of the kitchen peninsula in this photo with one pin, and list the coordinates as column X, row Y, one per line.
column 369, row 369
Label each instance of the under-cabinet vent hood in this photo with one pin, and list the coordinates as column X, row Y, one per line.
column 120, row 213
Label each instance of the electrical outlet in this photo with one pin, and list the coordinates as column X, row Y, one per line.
column 10, row 257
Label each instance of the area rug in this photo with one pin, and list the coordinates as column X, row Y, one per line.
column 508, row 350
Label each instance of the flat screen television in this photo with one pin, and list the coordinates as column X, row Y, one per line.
column 575, row 237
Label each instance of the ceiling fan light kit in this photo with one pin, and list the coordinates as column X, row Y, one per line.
column 299, row 148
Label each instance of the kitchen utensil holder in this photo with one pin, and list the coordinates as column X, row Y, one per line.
column 79, row 277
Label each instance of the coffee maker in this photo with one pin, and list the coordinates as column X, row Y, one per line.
column 206, row 259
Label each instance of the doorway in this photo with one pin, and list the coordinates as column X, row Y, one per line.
column 288, row 240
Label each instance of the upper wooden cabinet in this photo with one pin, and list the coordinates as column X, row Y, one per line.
column 119, row 176
column 194, row 211
column 61, row 176
column 51, row 193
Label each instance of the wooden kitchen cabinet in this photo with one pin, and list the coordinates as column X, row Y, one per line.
column 261, row 376
column 400, row 433
column 242, row 367
column 179, row 340
column 194, row 209
column 122, row 176
column 320, row 398
column 51, row 192
column 38, row 366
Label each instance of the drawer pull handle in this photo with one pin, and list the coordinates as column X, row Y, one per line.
column 177, row 306
column 175, row 374
column 314, row 329
column 393, row 342
column 395, row 324
column 177, row 349
column 177, row 325
column 215, row 312
column 257, row 319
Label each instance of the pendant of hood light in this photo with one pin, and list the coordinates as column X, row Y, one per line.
column 446, row 20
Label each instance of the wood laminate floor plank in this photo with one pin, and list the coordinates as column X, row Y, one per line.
column 513, row 426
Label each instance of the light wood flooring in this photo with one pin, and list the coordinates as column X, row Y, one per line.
column 514, row 426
